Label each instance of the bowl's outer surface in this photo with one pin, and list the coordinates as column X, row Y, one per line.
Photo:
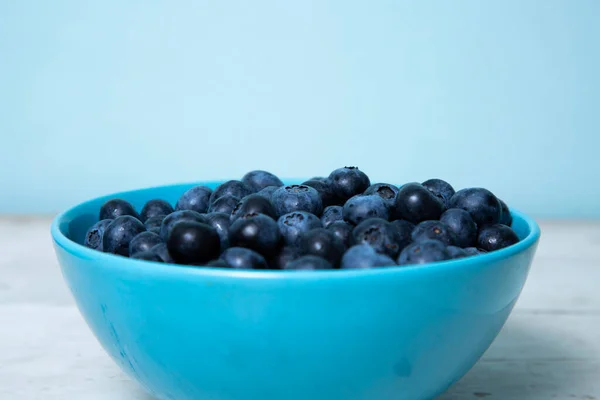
column 190, row 333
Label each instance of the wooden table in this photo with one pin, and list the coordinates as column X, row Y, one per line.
column 549, row 348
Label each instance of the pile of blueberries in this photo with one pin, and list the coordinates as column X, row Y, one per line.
column 342, row 221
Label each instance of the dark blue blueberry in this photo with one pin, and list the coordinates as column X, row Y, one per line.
column 384, row 190
column 177, row 216
column 423, row 253
column 325, row 190
column 93, row 237
column 323, row 243
column 348, row 181
column 195, row 199
column 236, row 189
column 332, row 214
column 218, row 263
column 363, row 256
column 414, row 203
column 379, row 234
column 147, row 255
column 191, row 242
column 119, row 233
column 456, row 252
column 258, row 180
column 162, row 252
column 436, row 230
column 224, row 204
column 267, row 192
column 153, row 224
column 506, row 218
column 143, row 242
column 253, row 204
column 297, row 198
column 483, row 206
column 293, row 225
column 309, row 263
column 362, row 207
column 221, row 222
column 404, row 229
column 242, row 258
column 496, row 237
column 441, row 189
column 155, row 208
column 283, row 257
column 257, row 232
column 319, row 178
column 342, row 230
column 461, row 223
column 115, row 208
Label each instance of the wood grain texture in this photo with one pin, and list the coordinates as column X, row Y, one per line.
column 549, row 348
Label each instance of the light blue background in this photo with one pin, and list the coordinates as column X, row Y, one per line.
column 109, row 95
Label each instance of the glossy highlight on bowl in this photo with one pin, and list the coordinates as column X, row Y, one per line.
column 206, row 333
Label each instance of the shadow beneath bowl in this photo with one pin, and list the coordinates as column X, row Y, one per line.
column 528, row 361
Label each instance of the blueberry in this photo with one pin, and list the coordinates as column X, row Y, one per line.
column 384, row 190
column 441, row 189
column 119, row 233
column 115, row 208
column 218, row 263
column 143, row 242
column 456, row 252
column 348, row 181
column 162, row 252
column 362, row 207
column 404, row 229
column 221, row 222
column 236, row 189
column 191, row 242
column 309, row 263
column 195, row 199
column 323, row 243
column 286, row 255
column 267, row 192
column 483, row 206
column 319, row 178
column 332, row 214
column 258, row 180
column 155, row 208
column 496, row 237
column 253, row 203
column 436, row 230
column 506, row 218
column 342, row 230
column 93, row 237
column 473, row 251
column 363, row 256
column 184, row 215
column 153, row 224
column 461, row 223
column 423, row 253
column 325, row 190
column 147, row 256
column 293, row 225
column 414, row 203
column 242, row 258
column 379, row 234
column 297, row 198
column 257, row 232
column 224, row 204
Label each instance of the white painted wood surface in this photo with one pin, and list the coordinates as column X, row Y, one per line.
column 549, row 349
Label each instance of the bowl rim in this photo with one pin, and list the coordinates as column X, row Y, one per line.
column 112, row 261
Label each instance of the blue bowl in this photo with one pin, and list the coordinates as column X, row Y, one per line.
column 191, row 333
